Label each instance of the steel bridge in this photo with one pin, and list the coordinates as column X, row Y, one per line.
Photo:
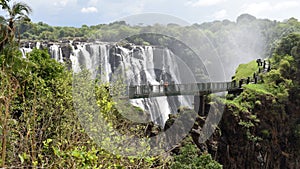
column 196, row 89
column 147, row 91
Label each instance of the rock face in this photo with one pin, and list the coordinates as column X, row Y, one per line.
column 277, row 147
column 115, row 57
column 66, row 51
column 273, row 141
column 264, row 132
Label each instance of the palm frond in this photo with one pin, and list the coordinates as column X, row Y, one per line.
column 4, row 4
column 22, row 18
column 19, row 8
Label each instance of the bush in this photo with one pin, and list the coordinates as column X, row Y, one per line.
column 189, row 158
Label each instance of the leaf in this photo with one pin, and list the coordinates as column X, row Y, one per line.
column 21, row 158
column 76, row 154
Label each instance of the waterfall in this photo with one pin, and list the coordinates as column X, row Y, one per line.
column 60, row 56
column 24, row 51
column 38, row 45
column 139, row 64
column 105, row 63
column 75, row 60
column 54, row 50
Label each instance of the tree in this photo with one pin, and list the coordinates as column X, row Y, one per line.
column 17, row 12
column 4, row 3
column 189, row 157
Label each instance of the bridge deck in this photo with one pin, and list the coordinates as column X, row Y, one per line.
column 146, row 91
column 200, row 89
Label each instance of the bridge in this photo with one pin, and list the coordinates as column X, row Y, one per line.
column 198, row 90
column 147, row 91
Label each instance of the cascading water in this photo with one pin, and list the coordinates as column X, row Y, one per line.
column 74, row 59
column 105, row 63
column 24, row 51
column 56, row 53
column 139, row 64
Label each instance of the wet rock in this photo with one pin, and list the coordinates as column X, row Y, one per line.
column 115, row 58
column 66, row 51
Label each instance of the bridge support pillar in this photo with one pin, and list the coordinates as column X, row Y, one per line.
column 199, row 104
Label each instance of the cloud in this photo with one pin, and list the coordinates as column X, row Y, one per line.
column 63, row 3
column 220, row 14
column 263, row 7
column 204, row 3
column 89, row 10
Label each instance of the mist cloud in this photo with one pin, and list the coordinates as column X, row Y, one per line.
column 89, row 10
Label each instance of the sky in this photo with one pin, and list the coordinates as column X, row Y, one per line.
column 92, row 12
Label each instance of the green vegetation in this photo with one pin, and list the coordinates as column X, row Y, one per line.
column 246, row 70
column 261, row 89
column 17, row 13
column 39, row 124
column 280, row 80
column 189, row 159
column 261, row 111
column 276, row 87
column 40, row 128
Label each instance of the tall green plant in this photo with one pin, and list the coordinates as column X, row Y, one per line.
column 17, row 12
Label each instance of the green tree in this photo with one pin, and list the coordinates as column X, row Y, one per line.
column 17, row 12
column 189, row 158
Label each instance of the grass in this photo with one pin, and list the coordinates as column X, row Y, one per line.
column 258, row 89
column 246, row 70
column 246, row 100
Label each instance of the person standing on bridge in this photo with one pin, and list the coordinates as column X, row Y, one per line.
column 150, row 86
column 172, row 86
column 166, row 84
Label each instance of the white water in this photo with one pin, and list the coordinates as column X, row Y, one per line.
column 105, row 63
column 74, row 59
column 38, row 44
column 24, row 51
column 54, row 52
column 136, row 65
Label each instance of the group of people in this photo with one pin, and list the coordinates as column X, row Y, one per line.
column 266, row 68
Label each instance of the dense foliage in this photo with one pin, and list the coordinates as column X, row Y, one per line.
column 40, row 127
column 190, row 157
column 39, row 124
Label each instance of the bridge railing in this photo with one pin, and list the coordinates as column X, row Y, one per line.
column 140, row 91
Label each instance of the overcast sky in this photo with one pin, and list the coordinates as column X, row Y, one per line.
column 92, row 12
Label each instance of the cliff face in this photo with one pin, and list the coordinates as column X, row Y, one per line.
column 260, row 128
column 265, row 137
column 270, row 143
